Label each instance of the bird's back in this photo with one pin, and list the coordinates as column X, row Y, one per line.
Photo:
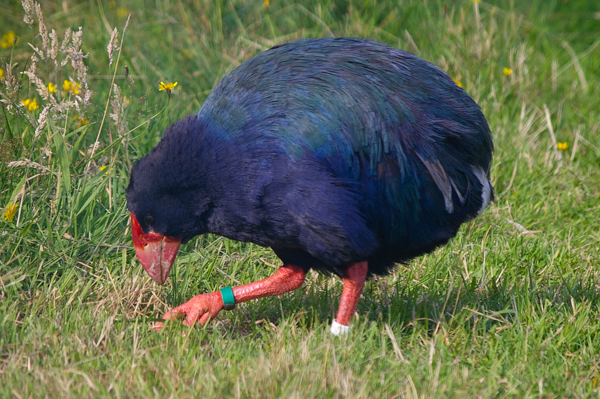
column 397, row 155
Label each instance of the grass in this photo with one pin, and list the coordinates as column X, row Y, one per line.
column 508, row 309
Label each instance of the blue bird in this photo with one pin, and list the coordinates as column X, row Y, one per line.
column 342, row 155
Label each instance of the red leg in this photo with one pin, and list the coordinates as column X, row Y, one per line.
column 286, row 278
column 354, row 282
column 204, row 307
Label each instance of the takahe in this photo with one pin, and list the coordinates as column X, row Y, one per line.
column 342, row 155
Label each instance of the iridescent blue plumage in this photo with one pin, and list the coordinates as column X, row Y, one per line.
column 330, row 151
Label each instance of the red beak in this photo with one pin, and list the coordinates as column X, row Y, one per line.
column 155, row 251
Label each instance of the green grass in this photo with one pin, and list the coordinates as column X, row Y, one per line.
column 508, row 308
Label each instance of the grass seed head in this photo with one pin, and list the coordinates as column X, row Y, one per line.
column 10, row 81
column 118, row 104
column 43, row 31
column 29, row 163
column 42, row 120
column 112, row 45
column 29, row 8
column 53, row 51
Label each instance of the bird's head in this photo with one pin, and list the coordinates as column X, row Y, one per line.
column 161, row 219
column 167, row 200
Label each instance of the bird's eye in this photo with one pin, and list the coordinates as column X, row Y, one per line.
column 149, row 219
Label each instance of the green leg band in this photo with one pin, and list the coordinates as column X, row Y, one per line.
column 228, row 299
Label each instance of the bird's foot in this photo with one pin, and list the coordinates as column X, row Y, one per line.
column 199, row 309
column 354, row 282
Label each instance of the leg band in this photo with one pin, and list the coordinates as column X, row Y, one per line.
column 338, row 329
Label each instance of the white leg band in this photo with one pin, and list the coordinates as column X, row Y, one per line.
column 338, row 329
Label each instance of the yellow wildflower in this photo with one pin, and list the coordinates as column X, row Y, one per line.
column 83, row 121
column 8, row 39
column 122, row 12
column 51, row 87
column 562, row 146
column 167, row 87
column 102, row 169
column 112, row 4
column 72, row 87
column 267, row 3
column 476, row 1
column 10, row 36
column 1, row 73
column 31, row 105
column 507, row 71
column 10, row 212
column 458, row 82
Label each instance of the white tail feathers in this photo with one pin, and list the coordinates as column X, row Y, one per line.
column 486, row 188
column 442, row 180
